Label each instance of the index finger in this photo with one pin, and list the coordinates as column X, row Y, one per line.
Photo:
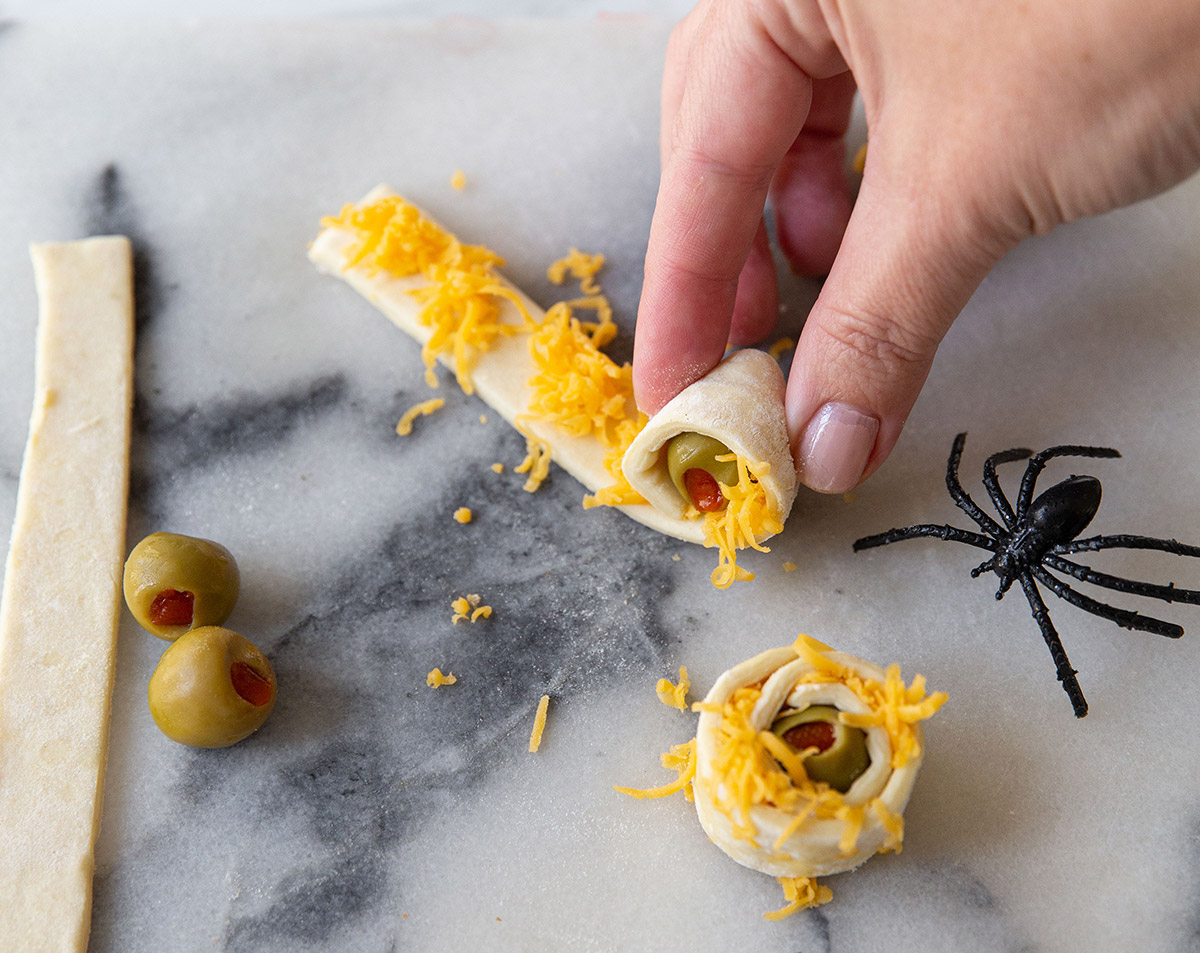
column 744, row 101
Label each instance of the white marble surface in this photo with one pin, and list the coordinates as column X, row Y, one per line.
column 373, row 814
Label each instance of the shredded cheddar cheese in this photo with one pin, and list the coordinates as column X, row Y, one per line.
column 783, row 344
column 801, row 893
column 539, row 723
column 789, row 566
column 459, row 302
column 674, row 695
column 497, row 467
column 468, row 609
column 681, row 759
column 463, row 515
column 582, row 266
column 458, row 181
column 436, row 679
column 423, row 409
column 745, row 519
column 860, row 159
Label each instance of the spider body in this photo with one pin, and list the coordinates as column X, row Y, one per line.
column 1032, row 539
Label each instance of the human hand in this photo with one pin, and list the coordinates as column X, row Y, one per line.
column 989, row 121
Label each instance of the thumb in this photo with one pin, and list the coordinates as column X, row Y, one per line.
column 906, row 267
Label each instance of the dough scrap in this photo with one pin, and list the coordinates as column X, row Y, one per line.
column 62, row 595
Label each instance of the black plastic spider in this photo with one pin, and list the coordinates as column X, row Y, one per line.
column 1035, row 538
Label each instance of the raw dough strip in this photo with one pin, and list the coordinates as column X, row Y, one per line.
column 500, row 375
column 62, row 585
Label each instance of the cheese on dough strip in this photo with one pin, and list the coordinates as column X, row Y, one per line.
column 62, row 592
column 740, row 403
column 747, row 802
column 500, row 375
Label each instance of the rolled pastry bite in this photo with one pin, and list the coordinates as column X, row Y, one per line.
column 716, row 459
column 803, row 762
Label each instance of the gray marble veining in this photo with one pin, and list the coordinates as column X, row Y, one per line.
column 374, row 814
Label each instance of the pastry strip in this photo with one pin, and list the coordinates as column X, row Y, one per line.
column 62, row 585
column 500, row 375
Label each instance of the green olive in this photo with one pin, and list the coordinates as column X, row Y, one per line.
column 695, row 451
column 842, row 750
column 175, row 583
column 211, row 689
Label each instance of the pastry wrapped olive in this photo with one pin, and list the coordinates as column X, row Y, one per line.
column 211, row 689
column 175, row 583
column 697, row 472
column 837, row 753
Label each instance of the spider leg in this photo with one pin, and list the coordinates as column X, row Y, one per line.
column 949, row 533
column 1125, row 541
column 1066, row 674
column 992, row 485
column 1038, row 462
column 1122, row 617
column 986, row 566
column 1168, row 593
column 960, row 496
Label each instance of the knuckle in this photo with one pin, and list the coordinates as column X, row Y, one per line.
column 879, row 345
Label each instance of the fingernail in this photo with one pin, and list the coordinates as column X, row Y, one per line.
column 835, row 446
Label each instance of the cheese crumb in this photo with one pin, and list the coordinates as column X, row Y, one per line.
column 539, row 723
column 458, row 181
column 497, row 467
column 860, row 159
column 462, row 515
column 436, row 679
column 680, row 759
column 802, row 893
column 582, row 266
column 483, row 418
column 789, row 566
column 783, row 344
column 674, row 695
column 468, row 609
column 423, row 409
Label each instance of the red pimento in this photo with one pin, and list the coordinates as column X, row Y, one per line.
column 172, row 607
column 250, row 684
column 704, row 490
column 811, row 734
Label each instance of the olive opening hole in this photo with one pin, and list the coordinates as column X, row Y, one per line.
column 812, row 734
column 250, row 684
column 173, row 607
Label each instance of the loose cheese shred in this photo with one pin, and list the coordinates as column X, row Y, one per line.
column 463, row 515
column 458, row 181
column 783, row 344
column 860, row 159
column 539, row 723
column 745, row 519
column 423, row 409
column 801, row 893
column 581, row 266
column 674, row 695
column 681, row 759
column 459, row 302
column 789, row 566
column 436, row 679
column 497, row 468
column 468, row 609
